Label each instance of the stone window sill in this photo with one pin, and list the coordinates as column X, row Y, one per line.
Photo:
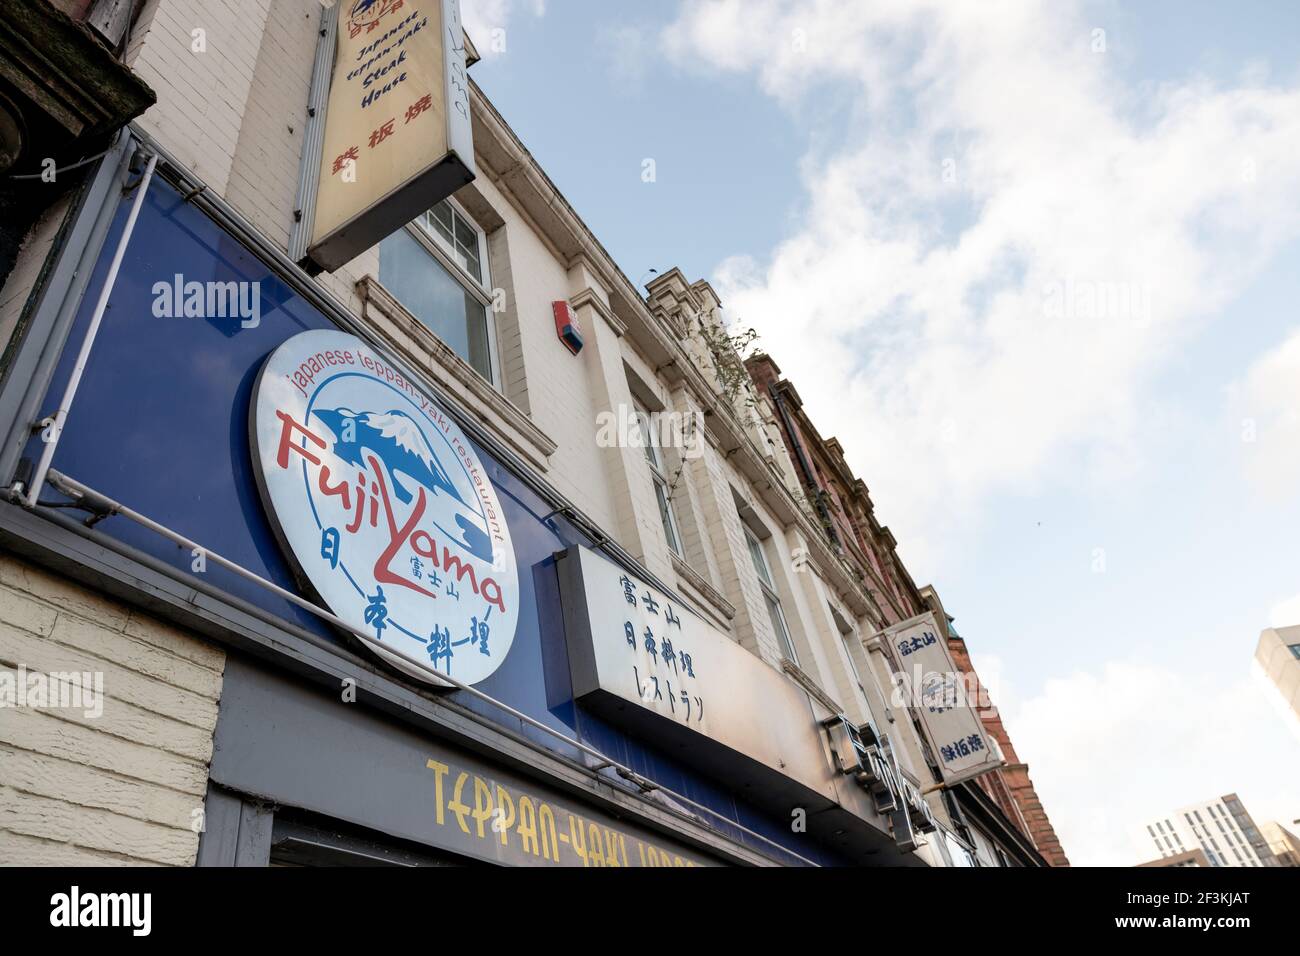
column 717, row 605
column 425, row 351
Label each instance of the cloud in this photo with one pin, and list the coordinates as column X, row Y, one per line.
column 1285, row 613
column 1000, row 244
column 483, row 18
column 999, row 248
column 1268, row 400
column 1108, row 751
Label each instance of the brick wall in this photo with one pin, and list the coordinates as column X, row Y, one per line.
column 1011, row 786
column 123, row 787
column 202, row 93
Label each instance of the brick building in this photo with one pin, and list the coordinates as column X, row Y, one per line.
column 847, row 516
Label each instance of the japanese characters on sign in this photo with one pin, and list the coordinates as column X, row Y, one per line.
column 384, row 505
column 397, row 134
column 663, row 667
column 955, row 732
column 645, row 644
column 629, row 643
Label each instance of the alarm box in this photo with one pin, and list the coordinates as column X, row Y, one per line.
column 567, row 327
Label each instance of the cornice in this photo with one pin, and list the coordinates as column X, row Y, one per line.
column 588, row 297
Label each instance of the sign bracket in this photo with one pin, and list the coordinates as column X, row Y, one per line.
column 304, row 204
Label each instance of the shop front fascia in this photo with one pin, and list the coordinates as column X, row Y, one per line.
column 160, row 425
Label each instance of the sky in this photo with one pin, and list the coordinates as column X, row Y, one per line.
column 1037, row 266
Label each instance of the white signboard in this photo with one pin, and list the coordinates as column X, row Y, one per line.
column 940, row 697
column 648, row 649
column 384, row 506
column 639, row 657
column 397, row 126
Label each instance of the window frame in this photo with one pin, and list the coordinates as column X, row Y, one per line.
column 659, row 481
column 767, row 584
column 433, row 242
column 848, row 637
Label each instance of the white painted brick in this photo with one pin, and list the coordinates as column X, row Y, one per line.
column 94, row 829
column 121, row 786
column 18, row 849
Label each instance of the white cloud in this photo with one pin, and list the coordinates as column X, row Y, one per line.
column 1109, row 751
column 1285, row 613
column 1000, row 247
column 487, row 22
column 1268, row 401
column 988, row 333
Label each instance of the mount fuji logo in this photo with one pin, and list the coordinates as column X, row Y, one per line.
column 384, row 506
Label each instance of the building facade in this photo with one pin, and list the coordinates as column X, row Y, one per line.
column 1283, row 843
column 466, row 551
column 1195, row 857
column 1219, row 828
column 1278, row 656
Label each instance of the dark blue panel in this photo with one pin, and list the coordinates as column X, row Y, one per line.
column 161, row 424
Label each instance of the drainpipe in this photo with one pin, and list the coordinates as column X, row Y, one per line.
column 809, row 478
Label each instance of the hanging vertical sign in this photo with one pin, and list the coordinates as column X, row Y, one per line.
column 940, row 697
column 397, row 136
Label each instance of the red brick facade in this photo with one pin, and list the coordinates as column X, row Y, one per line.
column 847, row 514
column 1011, row 786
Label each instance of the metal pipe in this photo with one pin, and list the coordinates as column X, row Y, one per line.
column 809, row 477
column 71, row 261
column 88, row 343
column 304, row 204
column 79, row 491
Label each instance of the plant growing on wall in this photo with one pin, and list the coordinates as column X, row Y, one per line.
column 728, row 350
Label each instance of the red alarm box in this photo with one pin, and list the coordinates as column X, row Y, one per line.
column 567, row 327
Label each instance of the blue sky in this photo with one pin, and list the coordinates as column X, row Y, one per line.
column 1079, row 487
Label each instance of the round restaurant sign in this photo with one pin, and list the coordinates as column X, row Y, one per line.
column 384, row 506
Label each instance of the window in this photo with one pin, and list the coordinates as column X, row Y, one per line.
column 663, row 491
column 957, row 851
column 849, row 639
column 769, row 595
column 1295, row 650
column 437, row 268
